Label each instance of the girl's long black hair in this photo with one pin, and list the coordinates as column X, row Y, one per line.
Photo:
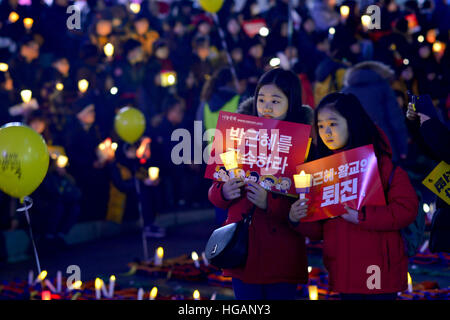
column 289, row 84
column 362, row 130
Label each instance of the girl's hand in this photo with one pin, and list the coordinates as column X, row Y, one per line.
column 299, row 210
column 257, row 195
column 232, row 189
column 351, row 215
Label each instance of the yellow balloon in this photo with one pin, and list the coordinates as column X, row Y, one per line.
column 212, row 6
column 24, row 160
column 129, row 124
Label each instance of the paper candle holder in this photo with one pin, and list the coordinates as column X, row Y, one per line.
column 302, row 182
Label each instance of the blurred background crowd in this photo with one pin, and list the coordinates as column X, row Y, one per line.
column 67, row 75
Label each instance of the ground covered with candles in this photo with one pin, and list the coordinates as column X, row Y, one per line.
column 113, row 269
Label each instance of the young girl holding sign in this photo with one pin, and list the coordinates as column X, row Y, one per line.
column 276, row 260
column 363, row 251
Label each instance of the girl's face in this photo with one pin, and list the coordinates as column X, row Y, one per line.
column 333, row 129
column 272, row 103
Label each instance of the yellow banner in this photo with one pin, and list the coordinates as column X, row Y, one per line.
column 438, row 181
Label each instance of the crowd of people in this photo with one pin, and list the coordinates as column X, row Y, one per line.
column 169, row 60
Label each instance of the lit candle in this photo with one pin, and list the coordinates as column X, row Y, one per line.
column 345, row 11
column 313, row 293
column 13, row 17
column 135, row 7
column 3, row 67
column 98, row 287
column 112, row 282
column 28, row 23
column 140, row 294
column 59, row 86
column 62, row 161
column 26, row 95
column 153, row 293
column 230, row 161
column 75, row 286
column 194, row 257
column 168, row 78
column 159, row 254
column 41, row 277
column 108, row 49
column 302, row 183
column 46, row 295
column 205, row 260
column 365, row 20
column 410, row 285
column 196, row 295
column 213, row 296
column 83, row 85
column 438, row 47
column 153, row 173
column 309, row 269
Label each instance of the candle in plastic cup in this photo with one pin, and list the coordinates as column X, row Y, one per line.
column 108, row 49
column 196, row 295
column 229, row 160
column 28, row 23
column 153, row 293
column 313, row 293
column 13, row 17
column 3, row 67
column 83, row 85
column 345, row 11
column 62, row 161
column 26, row 95
column 153, row 173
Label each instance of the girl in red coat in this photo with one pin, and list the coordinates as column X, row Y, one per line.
column 276, row 261
column 363, row 251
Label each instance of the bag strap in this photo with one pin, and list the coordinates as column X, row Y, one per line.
column 249, row 215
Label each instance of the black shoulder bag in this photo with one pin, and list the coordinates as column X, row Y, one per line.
column 227, row 246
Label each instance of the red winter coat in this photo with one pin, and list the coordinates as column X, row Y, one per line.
column 349, row 249
column 276, row 252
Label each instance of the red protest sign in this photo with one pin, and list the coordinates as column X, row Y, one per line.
column 268, row 150
column 347, row 178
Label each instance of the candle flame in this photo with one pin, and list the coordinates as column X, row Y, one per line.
column 42, row 275
column 160, row 252
column 26, row 95
column 194, row 256
column 153, row 293
column 3, row 67
column 28, row 23
column 409, row 279
column 13, row 17
column 98, row 283
column 83, row 85
column 153, row 173
column 112, row 278
column 77, row 284
column 313, row 293
column 196, row 295
column 108, row 49
column 59, row 86
column 365, row 20
column 135, row 7
column 345, row 10
column 62, row 161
